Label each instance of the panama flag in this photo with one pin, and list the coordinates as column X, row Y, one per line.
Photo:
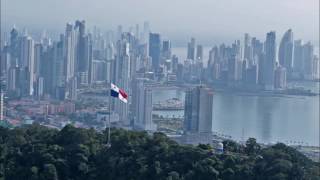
column 119, row 93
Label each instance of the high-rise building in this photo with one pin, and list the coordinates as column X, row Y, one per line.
column 119, row 32
column 199, row 55
column 83, row 53
column 1, row 105
column 198, row 116
column 285, row 55
column 235, row 63
column 142, row 103
column 307, row 59
column 69, row 52
column 39, row 87
column 316, row 68
column 48, row 66
column 146, row 31
column 121, row 77
column 26, row 64
column 248, row 51
column 14, row 45
column 280, row 79
column 99, row 71
column 38, row 49
column 155, row 50
column 270, row 60
column 72, row 89
column 12, row 81
column 298, row 57
column 59, row 75
column 252, row 75
column 166, row 50
column 232, row 68
column 191, row 49
column 5, row 60
column 137, row 31
column 198, row 110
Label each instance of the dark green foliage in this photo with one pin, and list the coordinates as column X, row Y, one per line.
column 35, row 152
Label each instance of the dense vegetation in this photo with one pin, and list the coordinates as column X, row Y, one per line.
column 36, row 152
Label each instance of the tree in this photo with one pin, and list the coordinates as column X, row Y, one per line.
column 252, row 147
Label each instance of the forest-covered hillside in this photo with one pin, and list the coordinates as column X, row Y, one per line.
column 36, row 152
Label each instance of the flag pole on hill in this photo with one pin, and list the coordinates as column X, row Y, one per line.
column 116, row 92
column 109, row 121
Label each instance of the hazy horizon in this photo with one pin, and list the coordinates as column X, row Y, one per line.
column 210, row 21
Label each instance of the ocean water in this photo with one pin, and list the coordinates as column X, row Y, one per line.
column 268, row 119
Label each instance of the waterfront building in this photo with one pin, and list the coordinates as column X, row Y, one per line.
column 307, row 59
column 285, row 55
column 198, row 114
column 198, row 110
column 316, row 68
column 252, row 75
column 248, row 50
column 280, row 78
column 298, row 58
column 270, row 60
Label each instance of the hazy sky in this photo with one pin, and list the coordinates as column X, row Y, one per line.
column 207, row 20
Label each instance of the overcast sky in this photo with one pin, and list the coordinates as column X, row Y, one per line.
column 207, row 20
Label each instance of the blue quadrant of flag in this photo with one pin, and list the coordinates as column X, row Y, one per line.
column 114, row 93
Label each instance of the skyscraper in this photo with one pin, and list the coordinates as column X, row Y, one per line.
column 248, row 53
column 285, row 55
column 198, row 116
column 307, row 59
column 155, row 50
column 142, row 105
column 199, row 55
column 1, row 106
column 58, row 65
column 298, row 57
column 280, row 78
column 191, row 49
column 37, row 59
column 122, row 78
column 69, row 52
column 83, row 53
column 72, row 89
column 198, row 110
column 14, row 45
column 146, row 31
column 26, row 64
column 316, row 68
column 270, row 60
column 166, row 49
column 12, row 79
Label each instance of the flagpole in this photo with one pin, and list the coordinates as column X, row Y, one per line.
column 108, row 143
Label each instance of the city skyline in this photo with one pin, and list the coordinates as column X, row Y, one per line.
column 216, row 22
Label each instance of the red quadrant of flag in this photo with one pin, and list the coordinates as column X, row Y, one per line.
column 123, row 94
